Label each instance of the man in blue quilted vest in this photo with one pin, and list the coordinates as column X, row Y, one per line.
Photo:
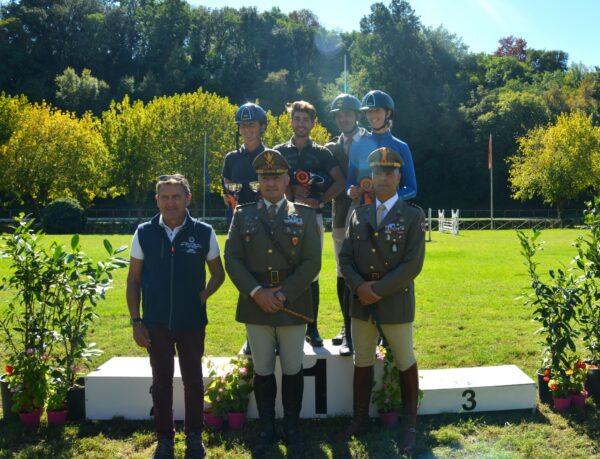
column 167, row 274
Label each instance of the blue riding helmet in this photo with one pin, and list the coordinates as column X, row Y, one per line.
column 250, row 112
column 378, row 99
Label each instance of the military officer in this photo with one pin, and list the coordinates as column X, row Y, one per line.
column 382, row 254
column 272, row 254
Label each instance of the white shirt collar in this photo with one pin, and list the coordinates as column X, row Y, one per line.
column 171, row 233
column 278, row 203
column 388, row 204
column 357, row 134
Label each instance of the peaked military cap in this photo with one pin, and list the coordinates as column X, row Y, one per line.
column 385, row 157
column 270, row 162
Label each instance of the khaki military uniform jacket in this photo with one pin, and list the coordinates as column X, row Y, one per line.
column 401, row 241
column 252, row 259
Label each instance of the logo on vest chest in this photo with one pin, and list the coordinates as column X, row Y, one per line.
column 190, row 246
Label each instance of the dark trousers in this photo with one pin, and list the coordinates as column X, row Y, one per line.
column 190, row 348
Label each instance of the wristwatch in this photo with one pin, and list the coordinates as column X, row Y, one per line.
column 136, row 320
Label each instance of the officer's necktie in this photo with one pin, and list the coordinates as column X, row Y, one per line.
column 272, row 212
column 380, row 212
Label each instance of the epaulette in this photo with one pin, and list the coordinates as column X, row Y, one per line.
column 412, row 204
column 246, row 204
column 361, row 208
column 301, row 204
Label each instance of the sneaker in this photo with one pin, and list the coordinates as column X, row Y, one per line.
column 194, row 448
column 165, row 449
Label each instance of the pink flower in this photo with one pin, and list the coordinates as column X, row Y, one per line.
column 29, row 351
column 243, row 371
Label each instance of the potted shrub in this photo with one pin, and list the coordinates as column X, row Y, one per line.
column 57, row 399
column 559, row 385
column 238, row 387
column 28, row 383
column 588, row 261
column 82, row 284
column 387, row 396
column 555, row 304
column 55, row 293
column 578, row 375
column 214, row 397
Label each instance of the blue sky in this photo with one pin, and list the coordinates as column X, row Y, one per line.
column 545, row 24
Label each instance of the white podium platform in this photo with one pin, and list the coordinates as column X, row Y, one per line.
column 121, row 388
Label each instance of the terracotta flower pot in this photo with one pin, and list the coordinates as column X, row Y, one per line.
column 562, row 404
column 212, row 421
column 389, row 418
column 31, row 418
column 236, row 420
column 57, row 418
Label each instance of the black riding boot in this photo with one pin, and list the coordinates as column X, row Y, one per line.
column 347, row 347
column 312, row 333
column 265, row 391
column 341, row 287
column 292, row 388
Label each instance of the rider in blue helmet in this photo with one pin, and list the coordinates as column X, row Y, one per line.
column 379, row 108
column 251, row 121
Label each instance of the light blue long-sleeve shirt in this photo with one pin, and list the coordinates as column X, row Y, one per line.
column 358, row 167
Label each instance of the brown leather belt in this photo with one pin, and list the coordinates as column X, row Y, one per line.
column 271, row 278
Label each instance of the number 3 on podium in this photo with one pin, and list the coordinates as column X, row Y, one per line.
column 470, row 399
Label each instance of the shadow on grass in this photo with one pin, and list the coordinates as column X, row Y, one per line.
column 434, row 432
column 585, row 421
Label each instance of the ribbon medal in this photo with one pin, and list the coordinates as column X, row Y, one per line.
column 294, row 220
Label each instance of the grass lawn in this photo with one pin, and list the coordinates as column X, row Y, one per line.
column 467, row 315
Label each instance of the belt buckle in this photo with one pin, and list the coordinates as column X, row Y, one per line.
column 274, row 277
column 375, row 276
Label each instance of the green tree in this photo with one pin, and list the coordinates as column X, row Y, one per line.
column 167, row 136
column 130, row 138
column 558, row 162
column 79, row 93
column 53, row 154
column 11, row 109
column 39, row 39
